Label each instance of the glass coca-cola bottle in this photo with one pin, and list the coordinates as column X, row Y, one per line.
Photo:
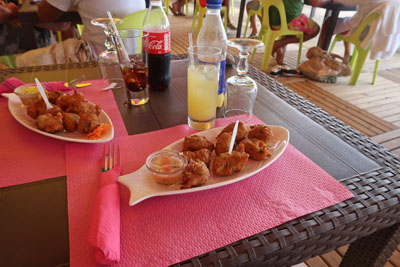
column 156, row 24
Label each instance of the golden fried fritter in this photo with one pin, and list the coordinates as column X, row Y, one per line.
column 36, row 108
column 196, row 173
column 70, row 121
column 83, row 107
column 87, row 123
column 261, row 132
column 241, row 133
column 257, row 149
column 226, row 164
column 65, row 100
column 50, row 123
column 203, row 155
column 223, row 142
column 195, row 142
column 53, row 95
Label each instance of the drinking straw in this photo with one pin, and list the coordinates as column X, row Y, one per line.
column 126, row 56
column 233, row 136
column 190, row 39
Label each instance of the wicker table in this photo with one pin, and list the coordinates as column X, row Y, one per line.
column 370, row 220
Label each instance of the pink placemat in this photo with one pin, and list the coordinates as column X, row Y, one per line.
column 165, row 230
column 27, row 156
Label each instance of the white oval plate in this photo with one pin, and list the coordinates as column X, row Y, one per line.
column 142, row 185
column 18, row 111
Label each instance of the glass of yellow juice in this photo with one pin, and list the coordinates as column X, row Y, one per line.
column 203, row 81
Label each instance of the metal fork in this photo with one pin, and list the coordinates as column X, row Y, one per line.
column 111, row 157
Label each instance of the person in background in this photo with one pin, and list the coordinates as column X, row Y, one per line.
column 11, row 34
column 346, row 25
column 176, row 8
column 50, row 10
column 253, row 5
column 296, row 21
column 229, row 23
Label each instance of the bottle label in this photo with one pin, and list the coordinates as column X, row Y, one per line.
column 159, row 43
column 221, row 88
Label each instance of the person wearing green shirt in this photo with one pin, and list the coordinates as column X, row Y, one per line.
column 296, row 21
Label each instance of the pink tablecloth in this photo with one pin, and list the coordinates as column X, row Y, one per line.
column 27, row 156
column 164, row 230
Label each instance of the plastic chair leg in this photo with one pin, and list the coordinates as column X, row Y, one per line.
column 247, row 25
column 375, row 71
column 354, row 57
column 196, row 12
column 300, row 47
column 166, row 6
column 333, row 44
column 362, row 55
column 268, row 44
column 202, row 11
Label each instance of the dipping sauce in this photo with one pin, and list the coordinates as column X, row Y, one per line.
column 27, row 93
column 166, row 166
column 31, row 89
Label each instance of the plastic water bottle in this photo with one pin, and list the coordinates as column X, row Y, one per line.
column 212, row 33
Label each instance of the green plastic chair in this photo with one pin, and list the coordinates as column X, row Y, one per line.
column 359, row 54
column 200, row 11
column 252, row 13
column 8, row 60
column 134, row 20
column 268, row 36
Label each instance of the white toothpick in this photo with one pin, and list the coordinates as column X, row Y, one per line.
column 234, row 133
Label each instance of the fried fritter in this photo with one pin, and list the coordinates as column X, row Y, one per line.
column 196, row 173
column 261, row 132
column 257, row 149
column 50, row 123
column 203, row 155
column 53, row 95
column 70, row 121
column 87, row 123
column 65, row 100
column 223, row 142
column 195, row 142
column 226, row 164
column 36, row 108
column 241, row 133
column 83, row 107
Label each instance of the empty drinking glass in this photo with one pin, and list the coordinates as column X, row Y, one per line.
column 241, row 90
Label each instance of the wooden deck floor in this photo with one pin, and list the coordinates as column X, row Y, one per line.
column 374, row 110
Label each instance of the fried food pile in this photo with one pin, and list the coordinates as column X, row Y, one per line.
column 70, row 112
column 249, row 143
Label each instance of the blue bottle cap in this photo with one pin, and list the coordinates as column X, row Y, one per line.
column 214, row 4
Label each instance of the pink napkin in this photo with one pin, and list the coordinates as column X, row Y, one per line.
column 104, row 231
column 10, row 84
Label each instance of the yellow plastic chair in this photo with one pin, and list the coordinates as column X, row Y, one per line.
column 252, row 13
column 134, row 20
column 359, row 54
column 200, row 11
column 8, row 60
column 268, row 36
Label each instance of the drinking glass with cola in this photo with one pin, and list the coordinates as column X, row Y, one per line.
column 133, row 59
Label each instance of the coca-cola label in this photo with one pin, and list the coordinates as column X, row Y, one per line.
column 159, row 43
